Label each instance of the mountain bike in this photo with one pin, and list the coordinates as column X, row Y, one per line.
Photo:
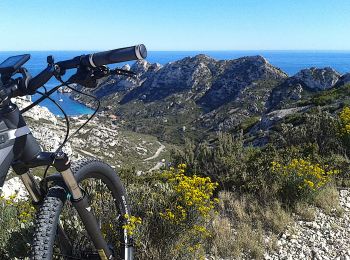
column 83, row 208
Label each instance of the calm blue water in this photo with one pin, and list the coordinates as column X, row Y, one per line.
column 289, row 61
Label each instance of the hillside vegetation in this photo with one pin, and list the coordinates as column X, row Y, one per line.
column 251, row 153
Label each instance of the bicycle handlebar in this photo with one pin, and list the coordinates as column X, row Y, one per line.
column 40, row 79
column 137, row 52
column 92, row 60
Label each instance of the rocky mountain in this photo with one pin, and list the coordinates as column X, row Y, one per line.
column 208, row 82
column 198, row 95
column 304, row 83
column 193, row 98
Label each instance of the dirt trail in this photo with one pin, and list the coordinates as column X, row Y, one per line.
column 160, row 149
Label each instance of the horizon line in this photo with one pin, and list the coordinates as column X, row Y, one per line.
column 208, row 50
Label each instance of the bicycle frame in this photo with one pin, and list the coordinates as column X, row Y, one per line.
column 21, row 151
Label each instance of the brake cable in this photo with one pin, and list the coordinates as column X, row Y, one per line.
column 45, row 95
column 65, row 117
column 90, row 118
column 36, row 102
column 66, row 84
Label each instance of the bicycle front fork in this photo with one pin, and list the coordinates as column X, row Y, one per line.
column 79, row 200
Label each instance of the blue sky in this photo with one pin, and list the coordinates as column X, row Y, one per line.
column 175, row 24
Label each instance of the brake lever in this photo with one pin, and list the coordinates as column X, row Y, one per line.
column 24, row 81
column 89, row 77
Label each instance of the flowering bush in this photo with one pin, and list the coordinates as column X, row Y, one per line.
column 16, row 222
column 301, row 179
column 193, row 203
column 132, row 223
column 176, row 209
column 344, row 116
column 193, row 193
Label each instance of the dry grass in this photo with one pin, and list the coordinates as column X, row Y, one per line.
column 276, row 218
column 328, row 200
column 271, row 245
column 249, row 241
column 305, row 211
column 229, row 242
column 242, row 223
column 223, row 242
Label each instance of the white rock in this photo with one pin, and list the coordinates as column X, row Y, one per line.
column 36, row 112
column 15, row 187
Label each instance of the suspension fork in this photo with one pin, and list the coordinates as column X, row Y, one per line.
column 81, row 204
column 79, row 200
column 32, row 187
column 35, row 193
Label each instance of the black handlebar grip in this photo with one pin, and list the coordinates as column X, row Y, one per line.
column 137, row 52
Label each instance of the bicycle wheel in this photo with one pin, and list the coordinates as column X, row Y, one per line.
column 107, row 198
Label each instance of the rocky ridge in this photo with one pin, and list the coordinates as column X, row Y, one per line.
column 200, row 94
column 305, row 82
column 317, row 79
column 208, row 82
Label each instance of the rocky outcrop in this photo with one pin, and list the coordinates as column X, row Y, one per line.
column 36, row 113
column 270, row 119
column 235, row 76
column 317, row 79
column 289, row 91
column 208, row 82
column 344, row 79
column 302, row 83
column 193, row 75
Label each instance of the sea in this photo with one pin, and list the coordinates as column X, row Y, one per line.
column 289, row 61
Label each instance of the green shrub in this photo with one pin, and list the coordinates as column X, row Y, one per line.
column 16, row 227
column 176, row 210
column 328, row 200
column 318, row 128
column 344, row 116
column 332, row 95
column 223, row 160
column 249, row 123
column 301, row 180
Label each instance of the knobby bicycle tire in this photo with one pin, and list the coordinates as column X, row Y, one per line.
column 48, row 217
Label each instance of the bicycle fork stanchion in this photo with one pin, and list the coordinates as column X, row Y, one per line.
column 31, row 186
column 81, row 204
